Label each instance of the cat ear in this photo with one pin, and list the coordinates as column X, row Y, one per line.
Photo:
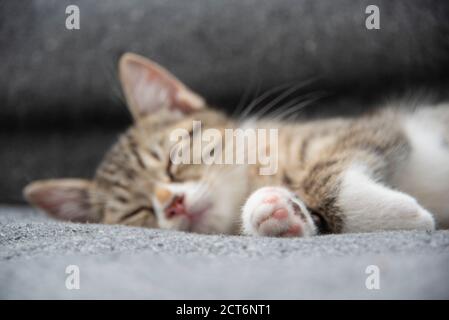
column 64, row 199
column 148, row 88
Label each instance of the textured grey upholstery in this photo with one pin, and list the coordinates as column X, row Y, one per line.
column 119, row 262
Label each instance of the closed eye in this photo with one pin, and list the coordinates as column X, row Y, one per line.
column 169, row 170
column 170, row 175
column 155, row 155
column 136, row 211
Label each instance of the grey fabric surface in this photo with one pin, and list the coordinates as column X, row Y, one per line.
column 125, row 262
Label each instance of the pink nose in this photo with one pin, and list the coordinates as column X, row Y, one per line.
column 176, row 208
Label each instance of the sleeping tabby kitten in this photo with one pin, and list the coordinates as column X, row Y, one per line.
column 385, row 171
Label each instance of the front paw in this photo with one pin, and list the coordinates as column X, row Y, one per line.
column 276, row 212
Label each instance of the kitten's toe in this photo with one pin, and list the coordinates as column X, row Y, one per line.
column 276, row 212
column 416, row 217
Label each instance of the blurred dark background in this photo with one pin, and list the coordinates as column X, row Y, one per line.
column 60, row 100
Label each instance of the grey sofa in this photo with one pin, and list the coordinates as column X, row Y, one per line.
column 61, row 107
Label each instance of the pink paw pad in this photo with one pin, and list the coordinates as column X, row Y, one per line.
column 280, row 214
column 271, row 199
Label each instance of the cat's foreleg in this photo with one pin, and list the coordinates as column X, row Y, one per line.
column 277, row 212
column 365, row 205
column 353, row 202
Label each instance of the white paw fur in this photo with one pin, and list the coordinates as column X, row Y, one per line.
column 369, row 206
column 276, row 212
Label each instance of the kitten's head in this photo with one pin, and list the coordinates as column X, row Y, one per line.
column 138, row 183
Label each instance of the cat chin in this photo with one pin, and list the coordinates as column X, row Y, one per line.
column 213, row 222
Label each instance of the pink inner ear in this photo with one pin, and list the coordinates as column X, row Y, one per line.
column 60, row 200
column 149, row 88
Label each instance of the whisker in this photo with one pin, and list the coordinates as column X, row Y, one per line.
column 245, row 96
column 297, row 107
column 261, row 98
column 294, row 87
column 281, row 97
